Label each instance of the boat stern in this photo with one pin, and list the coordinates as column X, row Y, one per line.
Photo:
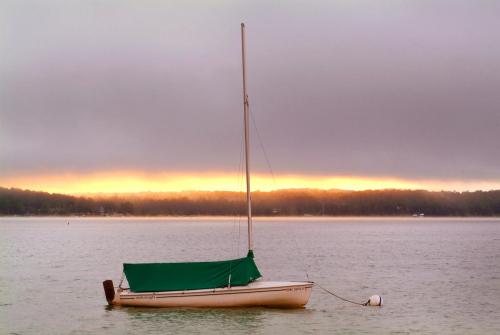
column 112, row 296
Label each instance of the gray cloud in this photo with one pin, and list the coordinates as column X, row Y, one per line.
column 407, row 89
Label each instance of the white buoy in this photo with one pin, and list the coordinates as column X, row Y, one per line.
column 375, row 300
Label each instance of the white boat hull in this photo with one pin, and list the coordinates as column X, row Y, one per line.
column 258, row 293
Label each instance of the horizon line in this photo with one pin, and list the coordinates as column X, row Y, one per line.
column 129, row 181
column 152, row 193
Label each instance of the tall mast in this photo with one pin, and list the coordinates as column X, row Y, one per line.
column 247, row 139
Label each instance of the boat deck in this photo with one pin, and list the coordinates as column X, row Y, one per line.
column 256, row 286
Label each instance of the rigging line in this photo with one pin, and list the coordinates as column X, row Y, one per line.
column 262, row 146
column 240, row 195
column 293, row 233
column 241, row 188
column 274, row 182
column 237, row 216
column 339, row 297
column 240, row 171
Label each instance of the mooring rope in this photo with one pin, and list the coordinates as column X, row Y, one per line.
column 343, row 299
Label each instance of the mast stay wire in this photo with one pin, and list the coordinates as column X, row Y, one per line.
column 263, row 148
column 242, row 197
column 266, row 157
column 237, row 213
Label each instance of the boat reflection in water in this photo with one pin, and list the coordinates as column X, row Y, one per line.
column 255, row 320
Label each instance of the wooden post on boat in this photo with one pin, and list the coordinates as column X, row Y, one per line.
column 247, row 138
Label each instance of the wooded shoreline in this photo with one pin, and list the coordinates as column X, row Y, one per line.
column 276, row 203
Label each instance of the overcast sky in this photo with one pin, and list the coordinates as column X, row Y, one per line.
column 407, row 89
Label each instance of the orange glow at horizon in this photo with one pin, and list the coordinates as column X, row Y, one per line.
column 132, row 182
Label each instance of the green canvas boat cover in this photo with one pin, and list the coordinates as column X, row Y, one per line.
column 155, row 277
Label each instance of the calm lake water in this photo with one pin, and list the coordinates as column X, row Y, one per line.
column 437, row 276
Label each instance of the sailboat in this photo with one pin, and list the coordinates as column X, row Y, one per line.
column 228, row 283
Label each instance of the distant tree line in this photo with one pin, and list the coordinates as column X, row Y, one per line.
column 276, row 203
